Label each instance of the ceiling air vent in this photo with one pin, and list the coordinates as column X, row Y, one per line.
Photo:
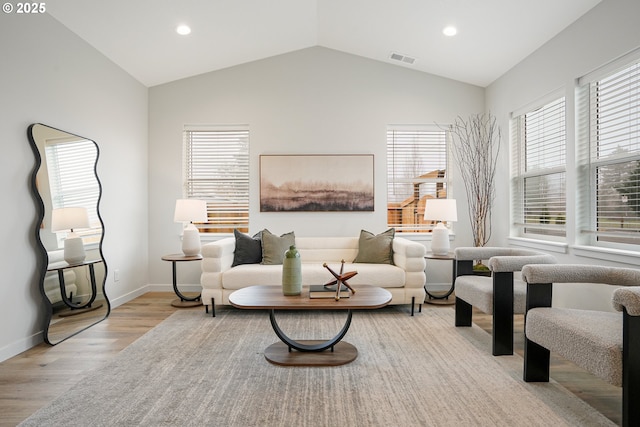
column 402, row 58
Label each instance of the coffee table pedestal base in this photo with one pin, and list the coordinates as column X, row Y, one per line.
column 279, row 354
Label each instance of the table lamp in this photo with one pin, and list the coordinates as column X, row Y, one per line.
column 188, row 211
column 71, row 219
column 441, row 210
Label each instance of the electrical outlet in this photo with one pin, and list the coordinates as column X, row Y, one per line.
column 116, row 275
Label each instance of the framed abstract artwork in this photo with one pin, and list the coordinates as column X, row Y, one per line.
column 316, row 183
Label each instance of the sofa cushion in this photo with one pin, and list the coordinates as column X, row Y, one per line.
column 274, row 247
column 375, row 249
column 383, row 275
column 327, row 249
column 248, row 249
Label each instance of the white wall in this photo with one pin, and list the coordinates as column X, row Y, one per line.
column 49, row 75
column 603, row 34
column 314, row 100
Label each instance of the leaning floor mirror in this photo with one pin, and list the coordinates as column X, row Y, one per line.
column 69, row 231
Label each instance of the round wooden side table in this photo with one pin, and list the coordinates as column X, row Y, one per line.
column 183, row 301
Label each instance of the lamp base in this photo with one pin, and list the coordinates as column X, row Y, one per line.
column 440, row 240
column 74, row 250
column 191, row 241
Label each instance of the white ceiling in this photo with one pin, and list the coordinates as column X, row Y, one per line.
column 493, row 35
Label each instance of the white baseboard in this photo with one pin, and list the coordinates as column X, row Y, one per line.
column 24, row 344
column 17, row 347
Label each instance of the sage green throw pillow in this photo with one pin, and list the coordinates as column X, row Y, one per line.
column 274, row 247
column 376, row 249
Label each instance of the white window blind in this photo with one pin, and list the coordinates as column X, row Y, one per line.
column 613, row 156
column 539, row 170
column 72, row 179
column 416, row 171
column 216, row 169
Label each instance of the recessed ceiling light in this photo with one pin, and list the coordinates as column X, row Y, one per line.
column 183, row 30
column 450, row 31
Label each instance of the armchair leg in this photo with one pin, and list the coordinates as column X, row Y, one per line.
column 502, row 313
column 536, row 362
column 463, row 313
column 630, row 370
column 213, row 307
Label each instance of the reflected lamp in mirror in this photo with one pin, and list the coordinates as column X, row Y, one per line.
column 440, row 210
column 189, row 211
column 69, row 220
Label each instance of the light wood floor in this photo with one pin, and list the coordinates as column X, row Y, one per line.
column 34, row 378
column 605, row 398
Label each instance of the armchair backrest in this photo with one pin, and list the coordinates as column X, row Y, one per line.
column 503, row 259
column 627, row 297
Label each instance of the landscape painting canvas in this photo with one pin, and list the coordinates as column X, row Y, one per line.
column 314, row 183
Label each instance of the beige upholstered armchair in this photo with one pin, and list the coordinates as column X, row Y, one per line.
column 500, row 295
column 607, row 344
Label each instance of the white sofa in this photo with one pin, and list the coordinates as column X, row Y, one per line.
column 405, row 280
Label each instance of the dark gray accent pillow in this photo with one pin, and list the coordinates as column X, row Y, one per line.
column 248, row 249
column 274, row 247
column 376, row 249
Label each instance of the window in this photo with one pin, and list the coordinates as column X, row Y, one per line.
column 216, row 169
column 72, row 179
column 539, row 171
column 610, row 157
column 416, row 171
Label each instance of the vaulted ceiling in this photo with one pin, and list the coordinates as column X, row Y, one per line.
column 493, row 35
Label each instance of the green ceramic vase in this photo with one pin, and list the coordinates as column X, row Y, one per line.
column 291, row 272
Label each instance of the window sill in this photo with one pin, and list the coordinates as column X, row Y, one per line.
column 615, row 255
column 212, row 237
column 557, row 247
column 422, row 237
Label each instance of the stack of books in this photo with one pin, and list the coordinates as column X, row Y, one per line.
column 322, row 291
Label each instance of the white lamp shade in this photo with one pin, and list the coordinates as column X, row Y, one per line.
column 68, row 219
column 440, row 210
column 190, row 210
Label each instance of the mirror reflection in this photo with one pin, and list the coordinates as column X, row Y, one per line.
column 70, row 231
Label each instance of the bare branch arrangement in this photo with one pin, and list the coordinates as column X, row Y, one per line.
column 475, row 148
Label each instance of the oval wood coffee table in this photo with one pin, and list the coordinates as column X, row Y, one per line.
column 309, row 352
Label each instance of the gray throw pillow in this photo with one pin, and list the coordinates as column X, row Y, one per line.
column 376, row 249
column 274, row 247
column 248, row 249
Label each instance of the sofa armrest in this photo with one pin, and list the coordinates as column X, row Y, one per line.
column 409, row 256
column 218, row 256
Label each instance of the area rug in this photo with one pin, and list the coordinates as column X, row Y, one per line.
column 195, row 370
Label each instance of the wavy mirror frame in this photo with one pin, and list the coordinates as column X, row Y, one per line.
column 74, row 292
